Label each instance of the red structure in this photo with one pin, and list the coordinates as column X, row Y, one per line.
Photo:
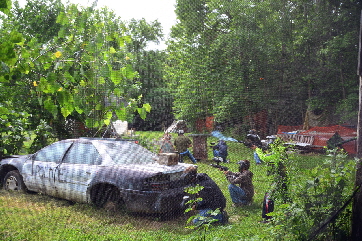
column 205, row 125
column 323, row 134
column 319, row 136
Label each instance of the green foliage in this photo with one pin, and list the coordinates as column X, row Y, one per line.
column 68, row 62
column 231, row 59
column 44, row 135
column 203, row 223
column 315, row 198
column 277, row 160
column 37, row 19
column 5, row 6
column 149, row 65
column 12, row 130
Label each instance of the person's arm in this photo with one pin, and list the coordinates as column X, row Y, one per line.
column 232, row 177
column 237, row 178
column 189, row 143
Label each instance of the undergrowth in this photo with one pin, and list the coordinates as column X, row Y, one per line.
column 317, row 185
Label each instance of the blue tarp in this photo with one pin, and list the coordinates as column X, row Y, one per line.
column 220, row 136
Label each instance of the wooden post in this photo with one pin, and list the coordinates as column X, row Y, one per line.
column 199, row 142
column 356, row 232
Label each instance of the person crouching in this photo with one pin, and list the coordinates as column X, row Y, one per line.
column 241, row 186
column 211, row 196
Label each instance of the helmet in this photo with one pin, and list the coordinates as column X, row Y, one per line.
column 244, row 164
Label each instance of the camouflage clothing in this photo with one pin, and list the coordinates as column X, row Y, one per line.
column 244, row 181
column 182, row 143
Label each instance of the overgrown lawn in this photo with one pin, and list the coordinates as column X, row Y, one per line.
column 34, row 216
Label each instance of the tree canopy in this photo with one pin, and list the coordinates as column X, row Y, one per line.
column 232, row 59
column 66, row 62
column 226, row 59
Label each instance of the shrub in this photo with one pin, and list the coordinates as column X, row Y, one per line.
column 315, row 198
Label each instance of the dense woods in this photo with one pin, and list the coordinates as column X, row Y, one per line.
column 248, row 64
column 232, row 59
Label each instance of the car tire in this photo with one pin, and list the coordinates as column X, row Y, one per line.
column 113, row 200
column 107, row 197
column 13, row 181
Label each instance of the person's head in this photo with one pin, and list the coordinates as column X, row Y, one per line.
column 252, row 131
column 243, row 165
column 221, row 141
column 180, row 132
column 189, row 174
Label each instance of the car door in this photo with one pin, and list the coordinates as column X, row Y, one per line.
column 76, row 171
column 39, row 171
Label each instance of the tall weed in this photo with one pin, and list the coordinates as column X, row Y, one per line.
column 315, row 194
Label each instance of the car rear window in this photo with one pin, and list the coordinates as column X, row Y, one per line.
column 129, row 153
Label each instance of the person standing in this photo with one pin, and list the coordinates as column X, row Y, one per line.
column 181, row 143
column 221, row 150
column 241, row 186
column 257, row 153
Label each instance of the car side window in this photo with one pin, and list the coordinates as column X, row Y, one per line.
column 52, row 153
column 83, row 153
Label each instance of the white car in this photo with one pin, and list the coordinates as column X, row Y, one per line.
column 99, row 171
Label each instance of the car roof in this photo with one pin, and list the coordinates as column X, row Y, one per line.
column 104, row 139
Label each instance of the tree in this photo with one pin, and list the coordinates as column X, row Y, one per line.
column 150, row 66
column 83, row 70
column 247, row 56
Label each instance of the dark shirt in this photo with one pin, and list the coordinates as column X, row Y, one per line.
column 212, row 196
column 254, row 139
column 182, row 143
column 222, row 147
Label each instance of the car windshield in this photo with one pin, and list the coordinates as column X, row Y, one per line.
column 124, row 152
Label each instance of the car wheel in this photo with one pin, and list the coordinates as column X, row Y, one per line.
column 107, row 197
column 113, row 201
column 13, row 181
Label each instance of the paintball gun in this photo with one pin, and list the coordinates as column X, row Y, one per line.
column 222, row 168
column 247, row 144
column 217, row 165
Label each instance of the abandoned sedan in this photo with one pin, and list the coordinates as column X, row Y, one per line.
column 99, row 171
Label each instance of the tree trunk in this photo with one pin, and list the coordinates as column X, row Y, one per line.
column 356, row 232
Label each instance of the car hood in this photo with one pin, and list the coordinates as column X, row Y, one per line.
column 153, row 168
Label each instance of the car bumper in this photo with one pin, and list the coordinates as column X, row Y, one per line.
column 153, row 201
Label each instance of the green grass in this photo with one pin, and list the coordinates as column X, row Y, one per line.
column 39, row 217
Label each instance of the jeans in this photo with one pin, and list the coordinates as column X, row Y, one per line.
column 237, row 194
column 187, row 153
column 217, row 154
column 257, row 158
column 206, row 213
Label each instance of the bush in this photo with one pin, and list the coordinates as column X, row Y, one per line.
column 315, row 198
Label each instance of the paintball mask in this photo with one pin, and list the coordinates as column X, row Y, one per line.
column 244, row 164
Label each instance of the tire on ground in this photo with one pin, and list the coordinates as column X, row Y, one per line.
column 13, row 181
column 107, row 196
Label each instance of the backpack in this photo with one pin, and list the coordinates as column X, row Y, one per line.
column 268, row 206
